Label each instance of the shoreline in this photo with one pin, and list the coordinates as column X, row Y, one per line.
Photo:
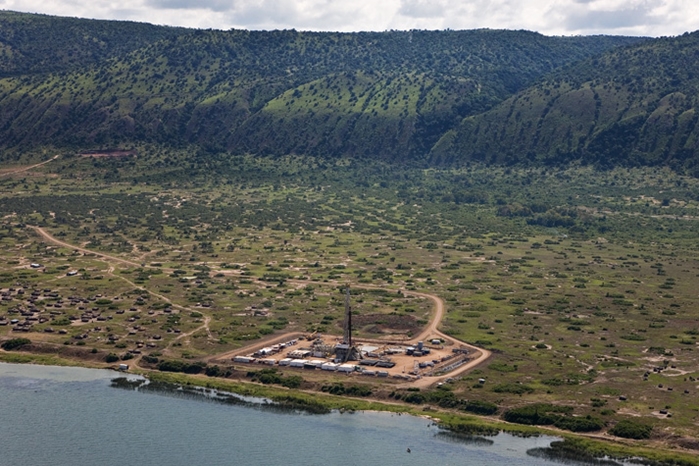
column 457, row 423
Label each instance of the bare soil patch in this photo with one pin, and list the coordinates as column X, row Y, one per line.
column 386, row 323
column 109, row 153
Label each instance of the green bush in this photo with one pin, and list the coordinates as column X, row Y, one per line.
column 558, row 416
column 179, row 366
column 214, row 371
column 292, row 381
column 272, row 376
column 502, row 367
column 63, row 320
column 631, row 429
column 515, row 388
column 579, row 424
column 536, row 414
column 484, row 408
column 414, row 398
column 546, row 414
column 111, row 357
column 352, row 390
column 15, row 343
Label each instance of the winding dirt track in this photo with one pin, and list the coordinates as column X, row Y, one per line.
column 47, row 237
column 108, row 259
column 430, row 332
column 30, row 167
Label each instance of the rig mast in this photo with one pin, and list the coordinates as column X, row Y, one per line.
column 346, row 350
column 348, row 319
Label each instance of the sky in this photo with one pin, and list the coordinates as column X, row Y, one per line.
column 550, row 17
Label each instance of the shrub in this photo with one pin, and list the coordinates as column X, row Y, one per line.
column 414, row 398
column 571, row 379
column 535, row 414
column 515, row 388
column 111, row 357
column 272, row 376
column 502, row 367
column 214, row 371
column 15, row 343
column 352, row 390
column 179, row 366
column 479, row 407
column 631, row 429
column 579, row 424
column 633, row 337
column 559, row 416
column 293, row 381
column 63, row 320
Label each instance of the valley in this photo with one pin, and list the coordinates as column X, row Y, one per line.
column 515, row 217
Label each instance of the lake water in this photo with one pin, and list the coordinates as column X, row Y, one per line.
column 74, row 416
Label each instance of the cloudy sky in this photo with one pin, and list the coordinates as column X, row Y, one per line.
column 551, row 17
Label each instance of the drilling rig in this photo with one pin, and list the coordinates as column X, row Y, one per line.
column 346, row 351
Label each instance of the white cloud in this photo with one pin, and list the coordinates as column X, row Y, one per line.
column 423, row 8
column 638, row 17
column 633, row 17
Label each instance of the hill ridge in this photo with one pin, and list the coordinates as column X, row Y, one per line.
column 273, row 92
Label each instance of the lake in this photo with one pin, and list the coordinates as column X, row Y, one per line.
column 75, row 416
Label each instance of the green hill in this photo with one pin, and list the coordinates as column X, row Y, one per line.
column 390, row 95
column 632, row 106
column 32, row 44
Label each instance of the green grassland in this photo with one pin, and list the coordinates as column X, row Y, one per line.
column 580, row 281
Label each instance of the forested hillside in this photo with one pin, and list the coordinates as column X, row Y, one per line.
column 390, row 95
column 633, row 106
column 44, row 44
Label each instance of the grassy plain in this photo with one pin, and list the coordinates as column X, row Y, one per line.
column 580, row 281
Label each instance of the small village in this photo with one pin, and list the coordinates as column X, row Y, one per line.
column 33, row 307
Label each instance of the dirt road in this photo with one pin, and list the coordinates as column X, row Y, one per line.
column 24, row 169
column 430, row 332
column 269, row 341
column 47, row 237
